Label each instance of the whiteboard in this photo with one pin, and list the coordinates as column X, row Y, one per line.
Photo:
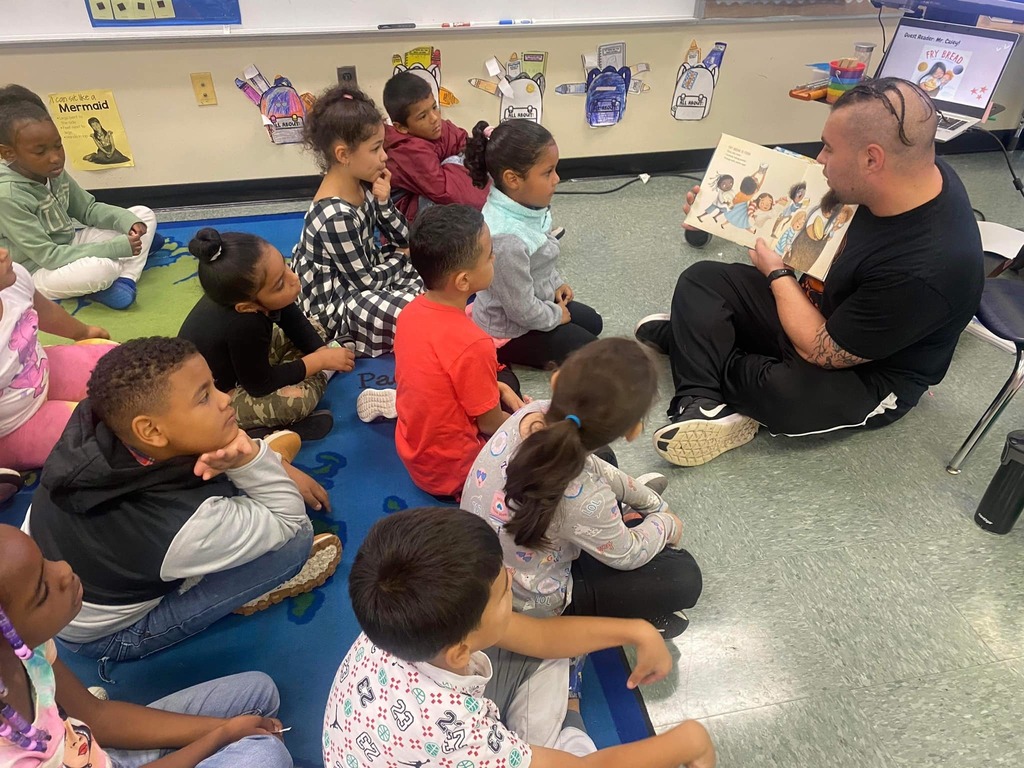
column 66, row 21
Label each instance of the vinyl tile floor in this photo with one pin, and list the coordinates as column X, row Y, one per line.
column 853, row 614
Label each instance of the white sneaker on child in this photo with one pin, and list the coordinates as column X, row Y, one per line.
column 373, row 404
column 320, row 566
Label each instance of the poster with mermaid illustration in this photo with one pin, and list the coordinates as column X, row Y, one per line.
column 753, row 192
column 90, row 127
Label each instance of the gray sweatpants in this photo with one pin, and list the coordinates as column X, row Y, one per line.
column 531, row 695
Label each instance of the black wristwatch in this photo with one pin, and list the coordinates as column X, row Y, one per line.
column 775, row 274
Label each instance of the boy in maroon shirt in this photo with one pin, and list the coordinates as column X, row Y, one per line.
column 424, row 150
column 450, row 391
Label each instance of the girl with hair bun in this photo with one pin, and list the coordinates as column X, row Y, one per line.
column 255, row 338
column 570, row 547
column 529, row 308
column 351, row 282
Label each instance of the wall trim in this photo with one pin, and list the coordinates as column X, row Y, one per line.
column 303, row 187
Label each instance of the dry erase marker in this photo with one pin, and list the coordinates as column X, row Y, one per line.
column 403, row 25
column 510, row 22
column 456, row 24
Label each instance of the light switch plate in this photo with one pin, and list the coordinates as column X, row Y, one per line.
column 202, row 84
column 347, row 76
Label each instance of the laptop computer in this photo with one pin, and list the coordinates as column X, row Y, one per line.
column 958, row 66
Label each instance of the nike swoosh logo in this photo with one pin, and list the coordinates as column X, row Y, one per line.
column 713, row 412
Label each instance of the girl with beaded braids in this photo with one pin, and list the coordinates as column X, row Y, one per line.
column 352, row 283
column 579, row 535
column 48, row 719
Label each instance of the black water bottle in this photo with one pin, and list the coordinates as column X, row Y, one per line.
column 1004, row 498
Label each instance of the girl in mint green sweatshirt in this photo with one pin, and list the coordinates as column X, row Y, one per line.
column 39, row 203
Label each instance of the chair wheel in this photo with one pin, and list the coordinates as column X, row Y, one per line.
column 697, row 238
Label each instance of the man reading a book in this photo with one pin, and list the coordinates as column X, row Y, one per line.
column 749, row 348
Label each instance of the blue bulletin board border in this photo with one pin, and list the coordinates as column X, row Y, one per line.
column 186, row 13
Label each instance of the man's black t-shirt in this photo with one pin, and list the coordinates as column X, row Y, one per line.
column 236, row 345
column 904, row 287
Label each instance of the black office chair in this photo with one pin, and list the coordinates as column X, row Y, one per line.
column 1002, row 314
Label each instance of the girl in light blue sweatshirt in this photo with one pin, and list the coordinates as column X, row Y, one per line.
column 529, row 308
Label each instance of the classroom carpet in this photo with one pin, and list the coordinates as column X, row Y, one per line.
column 300, row 642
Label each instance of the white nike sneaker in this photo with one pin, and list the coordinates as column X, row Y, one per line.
column 702, row 431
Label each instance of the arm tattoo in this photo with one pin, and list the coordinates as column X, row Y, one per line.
column 825, row 353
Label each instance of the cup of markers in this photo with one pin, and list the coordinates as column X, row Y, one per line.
column 843, row 75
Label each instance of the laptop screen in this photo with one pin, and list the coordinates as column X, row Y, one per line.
column 958, row 66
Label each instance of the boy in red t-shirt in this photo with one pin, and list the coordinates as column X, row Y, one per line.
column 450, row 391
column 424, row 150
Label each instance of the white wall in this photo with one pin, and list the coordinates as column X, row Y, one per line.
column 175, row 141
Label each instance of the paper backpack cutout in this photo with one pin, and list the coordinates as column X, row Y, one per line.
column 525, row 101
column 284, row 112
column 425, row 63
column 608, row 85
column 606, row 95
column 695, row 83
column 520, row 85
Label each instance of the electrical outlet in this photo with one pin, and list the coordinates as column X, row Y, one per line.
column 347, row 76
column 202, row 84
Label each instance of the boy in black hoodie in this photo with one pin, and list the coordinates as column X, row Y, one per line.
column 170, row 514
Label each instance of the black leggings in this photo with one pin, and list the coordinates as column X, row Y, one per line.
column 670, row 582
column 545, row 349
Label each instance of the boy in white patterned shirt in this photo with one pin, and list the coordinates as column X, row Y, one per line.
column 416, row 688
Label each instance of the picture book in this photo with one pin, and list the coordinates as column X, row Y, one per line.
column 753, row 192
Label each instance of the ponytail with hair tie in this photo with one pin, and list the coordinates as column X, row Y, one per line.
column 590, row 388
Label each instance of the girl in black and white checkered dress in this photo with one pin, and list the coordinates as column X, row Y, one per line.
column 351, row 283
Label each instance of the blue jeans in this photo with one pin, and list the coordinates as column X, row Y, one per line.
column 250, row 693
column 181, row 615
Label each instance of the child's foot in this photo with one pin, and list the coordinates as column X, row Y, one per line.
column 323, row 561
column 374, row 404
column 10, row 483
column 158, row 243
column 558, row 232
column 656, row 481
column 120, row 294
column 99, row 692
column 671, row 624
column 576, row 677
column 316, row 426
column 285, row 443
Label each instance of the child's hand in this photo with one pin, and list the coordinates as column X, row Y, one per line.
column 382, row 187
column 335, row 359
column 138, row 229
column 312, row 492
column 564, row 294
column 566, row 317
column 675, row 540
column 653, row 661
column 691, row 198
column 239, row 452
column 243, row 726
column 92, row 332
column 135, row 241
column 509, row 398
